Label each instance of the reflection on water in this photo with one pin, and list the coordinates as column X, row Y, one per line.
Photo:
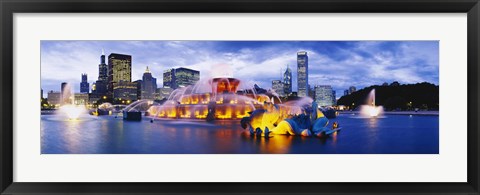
column 110, row 135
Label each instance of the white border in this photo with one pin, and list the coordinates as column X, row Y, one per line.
column 448, row 166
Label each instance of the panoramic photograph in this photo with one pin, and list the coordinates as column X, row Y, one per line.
column 239, row 97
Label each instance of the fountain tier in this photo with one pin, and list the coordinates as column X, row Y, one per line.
column 223, row 101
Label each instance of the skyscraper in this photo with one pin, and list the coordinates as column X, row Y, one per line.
column 287, row 81
column 84, row 85
column 180, row 77
column 149, row 85
column 101, row 84
column 324, row 95
column 278, row 87
column 119, row 69
column 102, row 68
column 302, row 73
column 124, row 91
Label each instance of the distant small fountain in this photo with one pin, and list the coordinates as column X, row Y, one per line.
column 370, row 109
column 73, row 112
column 69, row 109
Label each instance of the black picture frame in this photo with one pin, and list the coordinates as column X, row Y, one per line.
column 10, row 7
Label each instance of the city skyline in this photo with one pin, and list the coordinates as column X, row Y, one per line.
column 340, row 64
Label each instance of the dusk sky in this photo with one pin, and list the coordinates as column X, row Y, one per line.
column 337, row 63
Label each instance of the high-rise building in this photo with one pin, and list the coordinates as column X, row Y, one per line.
column 278, row 87
column 119, row 69
column 180, row 77
column 102, row 68
column 169, row 78
column 287, row 81
column 352, row 89
column 100, row 86
column 324, row 95
column 125, row 91
column 185, row 77
column 163, row 93
column 302, row 73
column 149, row 85
column 84, row 85
column 346, row 92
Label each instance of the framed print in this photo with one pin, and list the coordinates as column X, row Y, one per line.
column 239, row 97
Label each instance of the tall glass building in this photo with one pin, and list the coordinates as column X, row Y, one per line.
column 180, row 77
column 125, row 90
column 324, row 95
column 185, row 77
column 287, row 81
column 302, row 73
column 119, row 69
column 169, row 78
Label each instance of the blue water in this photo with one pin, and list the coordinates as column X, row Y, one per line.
column 393, row 134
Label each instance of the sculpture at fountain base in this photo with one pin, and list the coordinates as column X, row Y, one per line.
column 268, row 121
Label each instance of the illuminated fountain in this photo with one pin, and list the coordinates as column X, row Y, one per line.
column 370, row 110
column 219, row 98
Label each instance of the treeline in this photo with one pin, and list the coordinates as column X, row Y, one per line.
column 423, row 96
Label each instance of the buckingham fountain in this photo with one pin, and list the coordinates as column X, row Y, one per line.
column 262, row 114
